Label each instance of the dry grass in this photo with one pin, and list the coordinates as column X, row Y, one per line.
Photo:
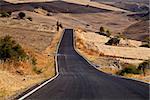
column 12, row 82
column 41, row 11
column 39, row 41
column 88, row 17
column 107, row 63
column 104, row 64
column 95, row 43
column 26, row 1
column 81, row 2
column 95, row 4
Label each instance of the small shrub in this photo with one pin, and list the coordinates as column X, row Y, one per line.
column 113, row 41
column 87, row 5
column 21, row 15
column 129, row 70
column 37, row 70
column 10, row 50
column 121, row 35
column 147, row 45
column 9, row 12
column 102, row 29
column 103, row 32
column 4, row 14
column 144, row 65
column 29, row 18
column 108, row 33
column 34, row 61
column 147, row 39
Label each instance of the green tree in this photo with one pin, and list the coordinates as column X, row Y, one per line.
column 21, row 15
column 10, row 50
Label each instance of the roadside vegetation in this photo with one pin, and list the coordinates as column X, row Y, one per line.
column 5, row 14
column 104, row 32
column 113, row 41
column 10, row 50
column 146, row 45
column 26, row 54
column 21, row 15
column 144, row 66
column 146, row 42
column 131, row 60
column 132, row 69
column 24, row 66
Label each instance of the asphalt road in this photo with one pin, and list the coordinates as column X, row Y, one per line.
column 78, row 80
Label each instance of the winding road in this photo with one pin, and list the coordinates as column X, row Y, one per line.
column 78, row 80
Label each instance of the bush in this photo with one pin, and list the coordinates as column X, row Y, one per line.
column 129, row 70
column 9, row 12
column 103, row 32
column 29, row 18
column 5, row 14
column 121, row 35
column 21, row 15
column 87, row 5
column 10, row 50
column 144, row 65
column 102, row 29
column 113, row 41
column 147, row 39
column 34, row 61
column 108, row 33
column 37, row 70
column 147, row 45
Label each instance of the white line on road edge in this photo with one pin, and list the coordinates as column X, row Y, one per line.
column 96, row 67
column 57, row 73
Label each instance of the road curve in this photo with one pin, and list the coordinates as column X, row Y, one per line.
column 78, row 80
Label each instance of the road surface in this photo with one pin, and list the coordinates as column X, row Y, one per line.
column 78, row 80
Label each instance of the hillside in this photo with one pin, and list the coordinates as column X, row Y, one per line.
column 138, row 31
column 37, row 35
column 70, row 15
column 39, row 41
column 112, row 59
column 130, row 5
column 136, row 1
